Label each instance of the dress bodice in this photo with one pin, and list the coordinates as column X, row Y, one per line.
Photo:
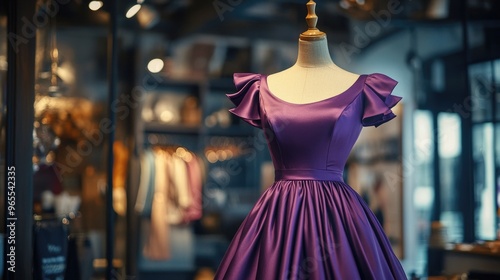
column 312, row 141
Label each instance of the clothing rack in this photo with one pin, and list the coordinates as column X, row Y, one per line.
column 170, row 189
column 161, row 139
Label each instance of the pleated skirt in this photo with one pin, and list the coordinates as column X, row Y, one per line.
column 306, row 229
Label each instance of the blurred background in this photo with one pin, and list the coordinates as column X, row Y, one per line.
column 96, row 95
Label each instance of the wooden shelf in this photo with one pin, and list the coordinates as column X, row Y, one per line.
column 156, row 127
column 228, row 131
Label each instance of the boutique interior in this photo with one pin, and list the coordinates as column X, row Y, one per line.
column 96, row 95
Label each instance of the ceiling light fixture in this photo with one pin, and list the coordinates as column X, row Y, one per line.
column 155, row 65
column 133, row 10
column 95, row 5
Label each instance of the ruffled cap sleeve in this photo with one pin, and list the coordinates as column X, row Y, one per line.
column 246, row 99
column 378, row 100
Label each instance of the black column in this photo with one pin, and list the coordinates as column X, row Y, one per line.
column 495, row 139
column 112, row 80
column 21, row 45
column 466, row 184
column 436, row 166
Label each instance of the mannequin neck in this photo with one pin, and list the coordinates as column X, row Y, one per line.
column 314, row 54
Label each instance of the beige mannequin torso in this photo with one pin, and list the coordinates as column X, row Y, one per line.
column 314, row 77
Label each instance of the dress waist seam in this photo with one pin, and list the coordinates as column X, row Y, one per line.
column 308, row 174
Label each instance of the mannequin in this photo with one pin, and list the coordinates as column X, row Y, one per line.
column 314, row 76
column 310, row 224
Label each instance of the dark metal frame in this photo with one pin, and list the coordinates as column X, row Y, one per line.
column 19, row 137
column 112, row 80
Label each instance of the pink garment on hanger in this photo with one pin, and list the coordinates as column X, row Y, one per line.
column 194, row 211
column 178, row 199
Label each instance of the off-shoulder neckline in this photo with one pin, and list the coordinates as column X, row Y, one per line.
column 360, row 80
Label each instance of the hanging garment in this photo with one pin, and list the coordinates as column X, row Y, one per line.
column 146, row 185
column 179, row 196
column 157, row 245
column 310, row 224
column 194, row 210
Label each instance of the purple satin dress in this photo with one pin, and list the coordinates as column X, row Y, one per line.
column 310, row 224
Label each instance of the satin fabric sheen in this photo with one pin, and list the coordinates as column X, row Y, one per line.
column 310, row 224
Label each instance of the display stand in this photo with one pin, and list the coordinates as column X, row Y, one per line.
column 50, row 248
